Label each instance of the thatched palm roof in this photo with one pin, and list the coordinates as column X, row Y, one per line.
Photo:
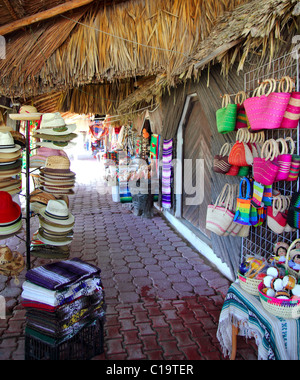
column 107, row 44
column 116, row 57
column 260, row 29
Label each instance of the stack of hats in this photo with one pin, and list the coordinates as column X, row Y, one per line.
column 56, row 177
column 10, row 164
column 56, row 224
column 55, row 133
column 61, row 299
column 11, row 263
column 10, row 215
column 39, row 159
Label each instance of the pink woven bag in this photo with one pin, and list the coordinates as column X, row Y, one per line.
column 284, row 160
column 266, row 110
column 264, row 168
column 292, row 115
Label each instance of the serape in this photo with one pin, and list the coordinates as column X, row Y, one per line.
column 58, row 275
column 276, row 338
column 167, row 173
column 35, row 293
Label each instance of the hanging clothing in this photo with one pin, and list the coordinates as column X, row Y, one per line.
column 167, row 174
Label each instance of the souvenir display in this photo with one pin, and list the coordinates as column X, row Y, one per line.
column 61, row 298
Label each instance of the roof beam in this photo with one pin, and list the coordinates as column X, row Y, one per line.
column 49, row 13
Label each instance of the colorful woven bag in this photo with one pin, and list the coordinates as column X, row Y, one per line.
column 221, row 164
column 241, row 154
column 294, row 169
column 293, row 216
column 241, row 118
column 292, row 115
column 265, row 110
column 284, row 160
column 242, row 215
column 226, row 116
column 264, row 168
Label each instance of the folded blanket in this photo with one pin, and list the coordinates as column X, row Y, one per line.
column 35, row 293
column 56, row 276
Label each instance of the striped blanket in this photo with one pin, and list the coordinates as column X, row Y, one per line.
column 56, row 276
column 276, row 338
column 167, row 173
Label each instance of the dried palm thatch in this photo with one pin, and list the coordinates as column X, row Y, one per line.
column 111, row 43
column 257, row 31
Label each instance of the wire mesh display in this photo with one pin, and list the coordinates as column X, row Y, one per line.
column 262, row 239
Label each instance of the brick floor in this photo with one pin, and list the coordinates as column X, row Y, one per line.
column 163, row 299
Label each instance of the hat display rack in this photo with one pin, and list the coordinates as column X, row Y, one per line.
column 27, row 117
column 57, row 178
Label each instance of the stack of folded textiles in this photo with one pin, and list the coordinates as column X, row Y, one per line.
column 61, row 299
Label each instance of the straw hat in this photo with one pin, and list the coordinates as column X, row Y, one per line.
column 7, row 144
column 54, row 227
column 54, row 239
column 10, row 157
column 41, row 197
column 57, row 165
column 57, row 145
column 57, row 131
column 57, row 212
column 19, row 138
column 11, row 263
column 52, row 120
column 27, row 109
column 10, row 166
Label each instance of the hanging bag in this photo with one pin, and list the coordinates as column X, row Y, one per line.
column 293, row 216
column 226, row 116
column 221, row 164
column 242, row 215
column 218, row 216
column 295, row 163
column 292, row 114
column 276, row 216
column 266, row 109
column 241, row 118
column 283, row 160
column 240, row 154
column 264, row 169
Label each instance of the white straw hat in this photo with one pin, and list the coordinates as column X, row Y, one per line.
column 7, row 143
column 57, row 212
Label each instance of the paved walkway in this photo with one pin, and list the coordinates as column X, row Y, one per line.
column 163, row 299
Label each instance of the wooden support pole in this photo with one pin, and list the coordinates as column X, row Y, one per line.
column 73, row 4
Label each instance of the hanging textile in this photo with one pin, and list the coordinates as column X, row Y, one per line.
column 167, row 173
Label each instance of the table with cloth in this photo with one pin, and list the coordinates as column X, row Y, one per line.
column 276, row 338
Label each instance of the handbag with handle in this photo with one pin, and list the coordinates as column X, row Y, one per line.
column 265, row 110
column 284, row 160
column 264, row 168
column 241, row 118
column 292, row 115
column 218, row 216
column 242, row 215
column 221, row 164
column 240, row 154
column 226, row 116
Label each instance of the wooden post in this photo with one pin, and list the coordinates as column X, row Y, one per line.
column 8, row 28
column 235, row 332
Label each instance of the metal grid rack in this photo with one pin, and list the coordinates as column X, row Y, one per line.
column 261, row 239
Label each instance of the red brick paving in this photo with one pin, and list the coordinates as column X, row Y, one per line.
column 163, row 299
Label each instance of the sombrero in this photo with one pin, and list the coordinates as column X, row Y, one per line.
column 11, row 263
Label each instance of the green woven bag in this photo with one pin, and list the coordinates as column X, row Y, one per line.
column 226, row 116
